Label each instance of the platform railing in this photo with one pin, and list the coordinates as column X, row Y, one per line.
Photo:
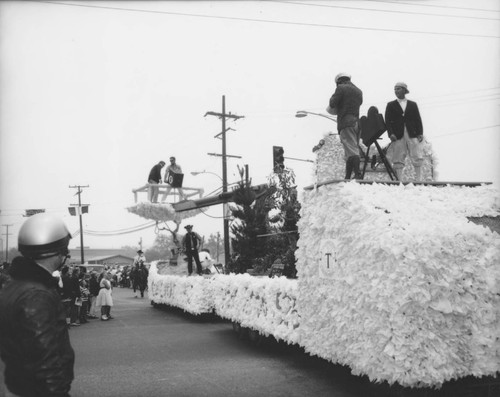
column 188, row 191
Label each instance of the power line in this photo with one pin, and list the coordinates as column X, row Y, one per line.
column 378, row 10
column 462, row 92
column 464, row 101
column 116, row 232
column 464, row 131
column 317, row 25
column 434, row 5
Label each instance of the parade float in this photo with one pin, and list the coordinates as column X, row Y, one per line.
column 398, row 281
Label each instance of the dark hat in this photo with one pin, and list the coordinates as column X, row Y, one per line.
column 140, row 252
column 188, row 227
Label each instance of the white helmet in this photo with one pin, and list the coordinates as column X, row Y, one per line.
column 43, row 235
column 340, row 75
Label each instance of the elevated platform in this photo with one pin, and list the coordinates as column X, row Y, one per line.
column 188, row 191
column 186, row 208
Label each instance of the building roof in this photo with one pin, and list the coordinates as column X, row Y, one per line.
column 108, row 257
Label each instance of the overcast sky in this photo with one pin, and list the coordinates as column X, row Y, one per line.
column 95, row 93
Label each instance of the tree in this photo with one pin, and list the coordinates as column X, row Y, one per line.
column 215, row 245
column 160, row 248
column 165, row 246
column 285, row 213
column 250, row 221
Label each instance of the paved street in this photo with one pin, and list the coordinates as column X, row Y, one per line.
column 165, row 352
column 148, row 351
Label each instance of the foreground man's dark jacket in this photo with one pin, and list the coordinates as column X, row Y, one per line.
column 34, row 339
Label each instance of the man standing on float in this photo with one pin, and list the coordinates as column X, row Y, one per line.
column 404, row 126
column 345, row 102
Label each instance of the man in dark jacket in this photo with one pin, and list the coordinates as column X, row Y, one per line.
column 94, row 291
column 34, row 340
column 190, row 243
column 346, row 101
column 155, row 177
column 141, row 277
column 75, row 295
column 65, row 292
column 404, row 126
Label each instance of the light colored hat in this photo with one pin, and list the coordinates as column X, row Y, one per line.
column 402, row 85
column 337, row 77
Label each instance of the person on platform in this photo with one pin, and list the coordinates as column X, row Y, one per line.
column 34, row 338
column 155, row 177
column 173, row 168
column 190, row 244
column 405, row 129
column 345, row 102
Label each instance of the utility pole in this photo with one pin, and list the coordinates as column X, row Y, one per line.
column 217, row 248
column 223, row 117
column 7, row 234
column 79, row 187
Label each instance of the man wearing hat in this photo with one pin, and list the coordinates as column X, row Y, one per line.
column 139, row 257
column 346, row 100
column 135, row 274
column 190, row 243
column 404, row 127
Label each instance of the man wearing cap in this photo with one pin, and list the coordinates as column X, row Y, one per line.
column 346, row 101
column 190, row 243
column 34, row 339
column 154, row 177
column 404, row 127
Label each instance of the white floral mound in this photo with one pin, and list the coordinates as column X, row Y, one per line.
column 161, row 212
column 264, row 304
column 191, row 294
column 396, row 283
column 330, row 162
column 267, row 305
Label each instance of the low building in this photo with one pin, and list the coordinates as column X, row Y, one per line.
column 111, row 257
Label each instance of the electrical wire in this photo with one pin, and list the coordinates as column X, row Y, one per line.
column 377, row 10
column 273, row 21
column 116, row 232
column 433, row 5
column 465, row 131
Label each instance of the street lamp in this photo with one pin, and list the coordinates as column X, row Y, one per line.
column 304, row 113
column 194, row 173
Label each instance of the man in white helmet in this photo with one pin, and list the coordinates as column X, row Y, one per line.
column 34, row 339
column 346, row 101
